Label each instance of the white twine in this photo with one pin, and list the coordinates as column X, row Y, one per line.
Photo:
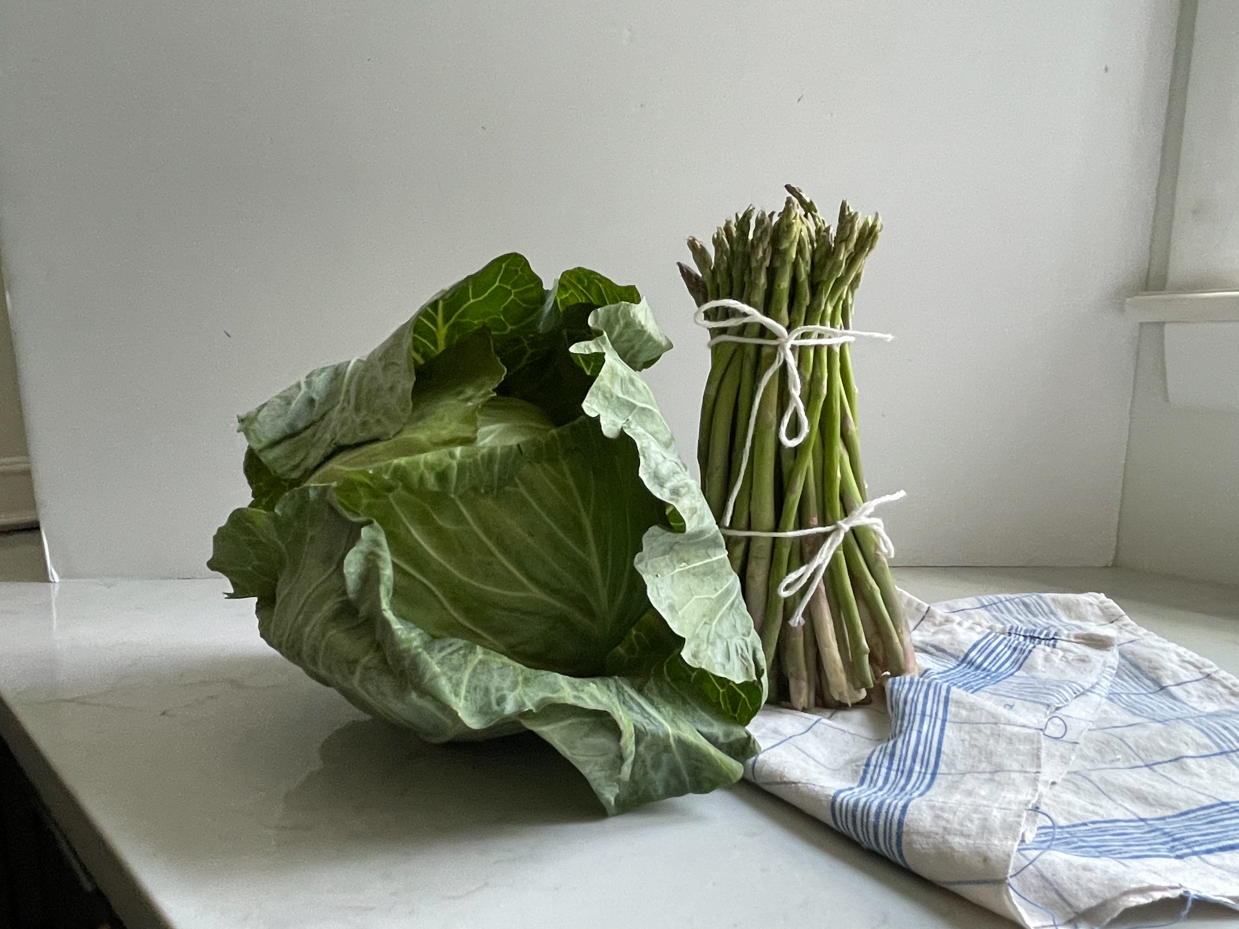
column 783, row 342
column 810, row 574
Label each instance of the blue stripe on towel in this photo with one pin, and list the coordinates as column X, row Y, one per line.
column 1141, row 695
column 898, row 771
column 994, row 657
column 1045, row 691
column 1206, row 830
column 905, row 767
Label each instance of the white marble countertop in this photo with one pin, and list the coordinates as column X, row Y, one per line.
column 206, row 782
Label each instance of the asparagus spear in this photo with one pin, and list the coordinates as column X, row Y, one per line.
column 806, row 204
column 754, row 282
column 720, row 274
column 881, row 573
column 798, row 307
column 742, row 227
column 723, row 351
column 722, row 265
column 849, row 382
column 705, row 266
column 718, row 456
column 812, row 677
column 763, row 513
column 795, row 665
column 834, row 674
column 692, row 280
column 840, row 585
column 879, row 631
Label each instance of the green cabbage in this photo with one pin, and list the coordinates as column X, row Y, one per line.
column 483, row 526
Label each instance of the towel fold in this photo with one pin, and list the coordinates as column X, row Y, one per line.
column 1054, row 762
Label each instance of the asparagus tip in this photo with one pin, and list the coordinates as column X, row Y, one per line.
column 806, row 204
column 694, row 282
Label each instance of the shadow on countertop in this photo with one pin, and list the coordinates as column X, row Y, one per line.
column 378, row 781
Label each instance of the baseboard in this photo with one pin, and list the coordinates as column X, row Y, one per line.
column 15, row 464
column 17, row 509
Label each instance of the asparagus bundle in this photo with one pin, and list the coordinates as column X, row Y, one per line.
column 779, row 449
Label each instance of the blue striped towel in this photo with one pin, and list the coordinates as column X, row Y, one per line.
column 1054, row 762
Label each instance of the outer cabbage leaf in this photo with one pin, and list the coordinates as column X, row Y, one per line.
column 632, row 331
column 331, row 407
column 266, row 487
column 582, row 286
column 687, row 575
column 554, row 378
column 651, row 649
column 506, row 421
column 506, row 297
column 369, row 398
column 248, row 552
column 444, row 407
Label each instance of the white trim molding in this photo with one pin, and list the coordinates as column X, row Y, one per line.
column 17, row 464
column 18, row 519
column 16, row 495
column 1215, row 306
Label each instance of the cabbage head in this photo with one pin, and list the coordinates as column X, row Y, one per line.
column 482, row 526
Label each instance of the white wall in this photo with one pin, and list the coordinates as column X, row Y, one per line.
column 1180, row 511
column 1204, row 248
column 1180, row 503
column 199, row 202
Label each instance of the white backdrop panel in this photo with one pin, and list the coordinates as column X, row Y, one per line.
column 200, row 202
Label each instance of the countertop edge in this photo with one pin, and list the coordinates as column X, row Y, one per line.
column 124, row 892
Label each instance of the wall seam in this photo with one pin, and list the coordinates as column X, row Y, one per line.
column 1160, row 234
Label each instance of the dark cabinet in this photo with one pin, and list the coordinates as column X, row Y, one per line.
column 43, row 885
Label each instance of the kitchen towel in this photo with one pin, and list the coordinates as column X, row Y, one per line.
column 1053, row 762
